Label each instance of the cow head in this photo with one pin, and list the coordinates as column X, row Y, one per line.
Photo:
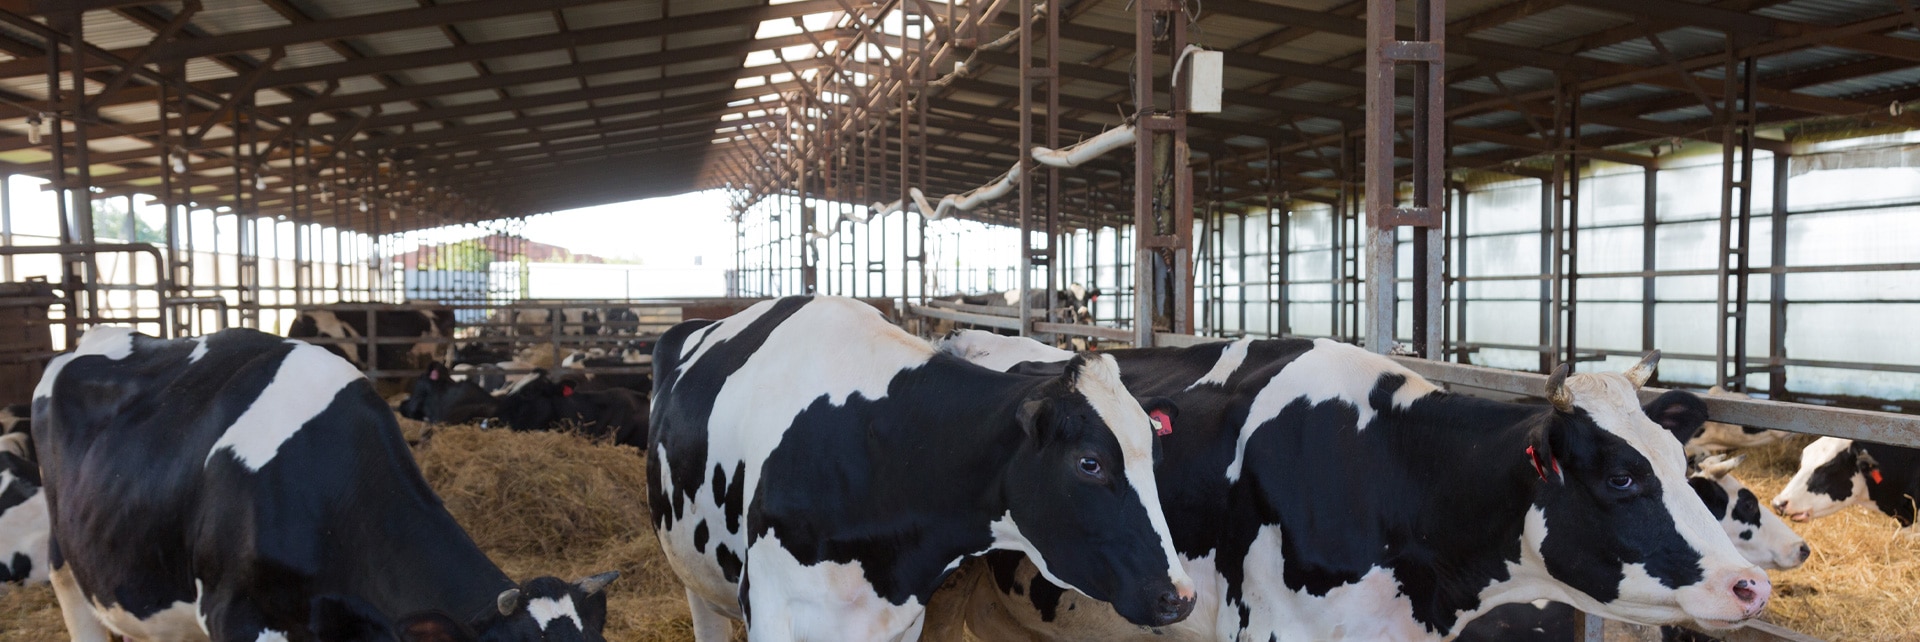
column 1613, row 516
column 544, row 609
column 1836, row 473
column 1082, row 500
column 435, row 379
column 1761, row 537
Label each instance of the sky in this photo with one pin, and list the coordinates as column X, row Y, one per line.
column 668, row 231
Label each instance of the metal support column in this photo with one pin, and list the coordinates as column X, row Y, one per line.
column 1425, row 51
column 1777, row 288
column 1564, row 184
column 1738, row 112
column 1162, row 183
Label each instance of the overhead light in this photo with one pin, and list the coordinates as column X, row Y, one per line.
column 178, row 159
column 363, row 207
column 36, row 125
column 259, row 183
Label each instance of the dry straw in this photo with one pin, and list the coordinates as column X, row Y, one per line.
column 548, row 503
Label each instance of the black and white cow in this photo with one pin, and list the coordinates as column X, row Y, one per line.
column 1716, row 437
column 816, row 471
column 1760, row 536
column 240, row 486
column 1317, row 491
column 540, row 402
column 350, row 324
column 23, row 521
column 437, row 398
column 1071, row 304
column 1836, row 473
column 636, row 381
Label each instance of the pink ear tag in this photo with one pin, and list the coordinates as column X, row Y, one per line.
column 1162, row 424
column 433, row 375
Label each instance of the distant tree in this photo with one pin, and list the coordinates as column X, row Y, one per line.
column 110, row 224
column 462, row 256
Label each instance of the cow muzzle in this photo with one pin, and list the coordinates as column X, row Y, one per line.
column 1173, row 606
column 1733, row 596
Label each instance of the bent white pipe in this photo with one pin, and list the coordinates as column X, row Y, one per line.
column 1086, row 150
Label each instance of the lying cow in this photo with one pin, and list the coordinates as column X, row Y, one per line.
column 539, row 402
column 353, row 324
column 272, row 499
column 1316, row 490
column 437, row 398
column 23, row 521
column 1836, row 473
column 580, row 361
column 815, row 471
column 1716, row 437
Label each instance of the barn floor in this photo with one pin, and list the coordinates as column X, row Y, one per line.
column 578, row 508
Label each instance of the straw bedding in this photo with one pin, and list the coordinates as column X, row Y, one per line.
column 546, row 503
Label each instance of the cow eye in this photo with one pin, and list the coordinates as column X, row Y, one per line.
column 1090, row 466
column 1620, row 482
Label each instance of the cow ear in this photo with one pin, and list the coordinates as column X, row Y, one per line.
column 336, row 618
column 1863, row 460
column 1032, row 417
column 1540, row 453
column 597, row 583
column 1681, row 413
column 1717, row 466
column 1162, row 411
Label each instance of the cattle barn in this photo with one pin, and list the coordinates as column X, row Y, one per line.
column 959, row 319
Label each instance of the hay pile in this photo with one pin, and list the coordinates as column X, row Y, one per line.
column 1863, row 582
column 556, row 504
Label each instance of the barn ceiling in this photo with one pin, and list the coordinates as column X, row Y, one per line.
column 384, row 115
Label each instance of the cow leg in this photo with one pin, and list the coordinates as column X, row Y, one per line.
column 76, row 609
column 710, row 624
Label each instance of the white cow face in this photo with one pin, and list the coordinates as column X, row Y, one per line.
column 1832, row 476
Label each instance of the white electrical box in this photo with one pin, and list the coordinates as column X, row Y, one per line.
column 1204, row 80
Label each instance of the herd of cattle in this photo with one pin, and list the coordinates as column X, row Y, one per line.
column 819, row 473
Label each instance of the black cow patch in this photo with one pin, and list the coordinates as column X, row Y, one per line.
column 700, row 536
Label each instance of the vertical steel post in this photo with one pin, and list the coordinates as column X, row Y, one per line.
column 1777, row 290
column 1384, row 51
column 1461, row 270
column 1739, row 117
column 1649, row 257
column 1162, row 183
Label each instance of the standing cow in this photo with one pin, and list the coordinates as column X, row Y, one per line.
column 1836, row 473
column 239, row 486
column 1316, row 491
column 816, row 471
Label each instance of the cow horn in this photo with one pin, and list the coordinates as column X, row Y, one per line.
column 593, row 584
column 509, row 601
column 1642, row 372
column 1557, row 391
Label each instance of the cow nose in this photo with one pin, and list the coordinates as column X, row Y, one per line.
column 1805, row 552
column 1780, row 507
column 1172, row 607
column 1752, row 593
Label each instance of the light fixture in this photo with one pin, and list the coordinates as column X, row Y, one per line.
column 179, row 160
column 259, row 183
column 36, row 124
column 363, row 207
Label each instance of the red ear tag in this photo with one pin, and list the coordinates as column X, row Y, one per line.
column 1162, row 424
column 1875, row 474
column 1537, row 469
column 566, row 391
